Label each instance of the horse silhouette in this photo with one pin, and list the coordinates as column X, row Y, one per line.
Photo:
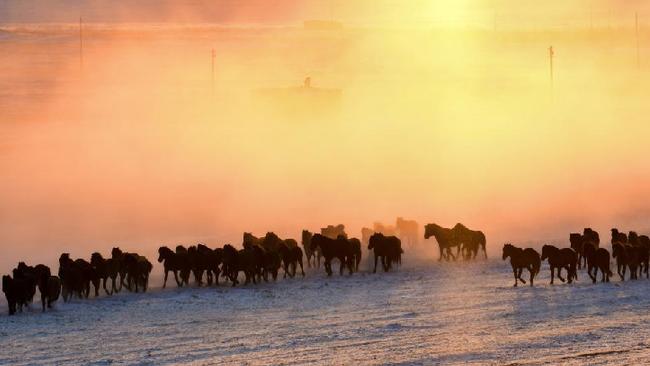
column 338, row 248
column 388, row 248
column 522, row 258
column 565, row 258
column 597, row 259
column 445, row 238
column 172, row 262
column 471, row 240
column 105, row 269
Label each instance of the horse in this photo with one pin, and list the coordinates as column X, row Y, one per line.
column 471, row 239
column 291, row 255
column 388, row 248
column 445, row 239
column 49, row 286
column 230, row 264
column 591, row 235
column 72, row 278
column 172, row 262
column 309, row 253
column 26, row 273
column 618, row 237
column 356, row 253
column 597, row 258
column 16, row 292
column 333, row 248
column 105, row 269
column 624, row 255
column 565, row 258
column 211, row 259
column 408, row 231
column 644, row 254
column 522, row 258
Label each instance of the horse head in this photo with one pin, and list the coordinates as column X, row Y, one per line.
column 507, row 250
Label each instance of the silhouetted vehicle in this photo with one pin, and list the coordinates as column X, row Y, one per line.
column 522, row 258
column 565, row 258
column 338, row 248
column 597, row 259
column 388, row 248
column 445, row 239
column 334, row 231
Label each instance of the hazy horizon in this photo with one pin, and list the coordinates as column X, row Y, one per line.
column 137, row 149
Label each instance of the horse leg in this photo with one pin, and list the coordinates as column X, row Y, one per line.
column 375, row 270
column 519, row 272
column 105, row 289
column 532, row 275
column 302, row 269
column 179, row 283
column 552, row 274
column 165, row 280
column 514, row 272
column 43, row 297
column 559, row 274
column 623, row 269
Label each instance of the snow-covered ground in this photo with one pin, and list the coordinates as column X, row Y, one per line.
column 427, row 313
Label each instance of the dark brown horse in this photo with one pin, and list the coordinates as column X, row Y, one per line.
column 565, row 258
column 291, row 256
column 306, row 245
column 618, row 237
column 627, row 256
column 333, row 248
column 470, row 240
column 105, row 269
column 445, row 238
column 388, row 248
column 522, row 258
column 597, row 259
column 172, row 262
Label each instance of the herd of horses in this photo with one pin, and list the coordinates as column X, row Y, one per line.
column 75, row 277
column 259, row 259
column 630, row 251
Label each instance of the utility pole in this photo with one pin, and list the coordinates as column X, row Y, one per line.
column 213, row 54
column 81, row 44
column 551, row 53
column 638, row 51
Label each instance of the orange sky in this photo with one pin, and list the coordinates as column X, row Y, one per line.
column 442, row 126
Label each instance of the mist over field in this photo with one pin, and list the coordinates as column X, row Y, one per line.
column 441, row 119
